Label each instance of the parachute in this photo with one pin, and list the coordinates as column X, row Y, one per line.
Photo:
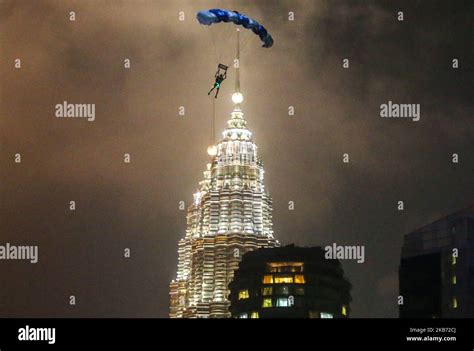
column 208, row 17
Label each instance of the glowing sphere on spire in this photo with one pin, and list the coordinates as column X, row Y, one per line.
column 237, row 98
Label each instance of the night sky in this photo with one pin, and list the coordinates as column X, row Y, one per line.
column 173, row 62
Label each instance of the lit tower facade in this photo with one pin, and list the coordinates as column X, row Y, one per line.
column 231, row 214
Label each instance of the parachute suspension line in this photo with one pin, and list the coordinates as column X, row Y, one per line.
column 214, row 44
column 246, row 44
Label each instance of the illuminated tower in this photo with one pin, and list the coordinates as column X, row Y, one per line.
column 231, row 214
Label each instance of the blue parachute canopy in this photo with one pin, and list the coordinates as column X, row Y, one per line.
column 209, row 17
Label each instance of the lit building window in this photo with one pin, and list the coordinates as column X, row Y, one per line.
column 268, row 279
column 299, row 279
column 455, row 302
column 285, row 267
column 326, row 315
column 267, row 303
column 254, row 315
column 453, row 260
column 283, row 302
column 267, row 290
column 344, row 310
column 455, row 280
column 284, row 279
column 299, row 290
column 244, row 315
column 243, row 294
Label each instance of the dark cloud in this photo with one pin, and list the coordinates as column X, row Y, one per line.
column 136, row 205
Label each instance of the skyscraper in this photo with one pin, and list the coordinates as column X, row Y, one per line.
column 231, row 214
column 437, row 268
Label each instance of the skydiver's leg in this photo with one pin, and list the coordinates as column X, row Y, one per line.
column 210, row 91
column 217, row 92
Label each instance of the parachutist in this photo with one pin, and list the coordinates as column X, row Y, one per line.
column 220, row 77
column 217, row 85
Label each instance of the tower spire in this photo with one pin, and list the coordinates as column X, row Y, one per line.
column 237, row 69
column 236, row 126
column 237, row 96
